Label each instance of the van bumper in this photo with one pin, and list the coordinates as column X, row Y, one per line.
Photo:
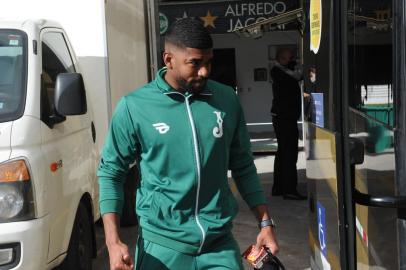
column 24, row 244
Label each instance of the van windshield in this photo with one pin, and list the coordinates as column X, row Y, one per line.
column 13, row 66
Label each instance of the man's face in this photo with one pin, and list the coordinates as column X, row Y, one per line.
column 188, row 68
column 286, row 57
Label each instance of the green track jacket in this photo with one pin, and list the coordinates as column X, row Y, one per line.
column 184, row 145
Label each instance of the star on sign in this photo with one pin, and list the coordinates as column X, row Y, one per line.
column 209, row 19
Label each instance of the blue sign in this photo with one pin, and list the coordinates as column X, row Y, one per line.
column 227, row 16
column 322, row 230
column 318, row 109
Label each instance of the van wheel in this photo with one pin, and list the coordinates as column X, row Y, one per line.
column 80, row 246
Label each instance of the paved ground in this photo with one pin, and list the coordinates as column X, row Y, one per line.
column 290, row 216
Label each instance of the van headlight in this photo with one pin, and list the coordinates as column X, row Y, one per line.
column 11, row 201
column 16, row 194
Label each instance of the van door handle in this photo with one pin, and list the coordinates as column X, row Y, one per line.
column 93, row 132
column 379, row 201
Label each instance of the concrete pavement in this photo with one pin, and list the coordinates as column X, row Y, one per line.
column 290, row 217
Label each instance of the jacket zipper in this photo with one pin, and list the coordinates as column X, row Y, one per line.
column 197, row 156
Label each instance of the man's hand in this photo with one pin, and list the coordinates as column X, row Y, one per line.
column 120, row 258
column 266, row 237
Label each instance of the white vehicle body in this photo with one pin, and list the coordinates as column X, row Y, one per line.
column 106, row 44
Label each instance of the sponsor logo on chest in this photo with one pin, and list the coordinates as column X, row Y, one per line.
column 163, row 128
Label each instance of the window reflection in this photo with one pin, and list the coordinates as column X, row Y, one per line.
column 370, row 59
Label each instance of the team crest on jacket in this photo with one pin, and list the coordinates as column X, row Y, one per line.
column 218, row 130
column 161, row 127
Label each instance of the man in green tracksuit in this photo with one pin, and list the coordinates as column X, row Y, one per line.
column 185, row 132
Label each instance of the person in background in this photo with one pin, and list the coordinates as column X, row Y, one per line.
column 186, row 132
column 307, row 95
column 286, row 111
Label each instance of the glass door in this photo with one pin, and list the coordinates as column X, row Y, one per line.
column 373, row 95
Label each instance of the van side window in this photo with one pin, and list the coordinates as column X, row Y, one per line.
column 56, row 59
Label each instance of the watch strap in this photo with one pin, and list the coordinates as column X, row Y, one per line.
column 266, row 223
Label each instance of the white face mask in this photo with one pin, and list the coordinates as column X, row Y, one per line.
column 313, row 78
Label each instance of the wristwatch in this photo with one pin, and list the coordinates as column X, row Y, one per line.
column 266, row 223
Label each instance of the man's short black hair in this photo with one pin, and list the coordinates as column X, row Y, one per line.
column 189, row 33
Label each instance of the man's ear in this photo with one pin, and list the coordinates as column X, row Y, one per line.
column 168, row 57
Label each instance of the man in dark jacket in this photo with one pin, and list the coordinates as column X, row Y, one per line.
column 286, row 110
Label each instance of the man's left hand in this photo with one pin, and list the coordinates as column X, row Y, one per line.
column 267, row 238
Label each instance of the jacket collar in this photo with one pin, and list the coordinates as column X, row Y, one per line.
column 167, row 89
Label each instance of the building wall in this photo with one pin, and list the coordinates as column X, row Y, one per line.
column 255, row 96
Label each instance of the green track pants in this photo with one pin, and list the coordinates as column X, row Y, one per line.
column 151, row 256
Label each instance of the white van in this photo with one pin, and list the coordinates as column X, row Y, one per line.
column 58, row 86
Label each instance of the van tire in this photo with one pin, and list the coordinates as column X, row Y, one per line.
column 128, row 216
column 81, row 245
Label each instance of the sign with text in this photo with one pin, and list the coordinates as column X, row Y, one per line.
column 227, row 16
column 318, row 109
column 315, row 25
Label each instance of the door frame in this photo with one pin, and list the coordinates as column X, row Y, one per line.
column 346, row 196
column 346, row 213
column 400, row 119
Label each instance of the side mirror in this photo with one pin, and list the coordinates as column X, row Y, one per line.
column 70, row 95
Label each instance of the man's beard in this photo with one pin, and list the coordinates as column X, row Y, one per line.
column 191, row 86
